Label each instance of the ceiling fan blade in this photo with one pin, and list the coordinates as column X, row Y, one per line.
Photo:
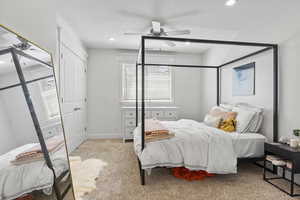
column 170, row 43
column 178, row 32
column 128, row 33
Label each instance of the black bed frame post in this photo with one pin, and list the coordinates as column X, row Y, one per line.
column 35, row 119
column 136, row 95
column 142, row 171
column 218, row 86
column 275, row 93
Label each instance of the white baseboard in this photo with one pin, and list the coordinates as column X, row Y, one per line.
column 104, row 136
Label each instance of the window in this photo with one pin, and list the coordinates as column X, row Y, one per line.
column 158, row 83
column 48, row 91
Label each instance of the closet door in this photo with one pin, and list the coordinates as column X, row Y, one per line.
column 73, row 96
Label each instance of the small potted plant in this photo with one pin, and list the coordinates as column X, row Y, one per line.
column 297, row 132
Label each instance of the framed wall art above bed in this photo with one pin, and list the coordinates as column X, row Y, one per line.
column 243, row 80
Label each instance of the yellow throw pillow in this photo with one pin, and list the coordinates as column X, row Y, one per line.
column 228, row 125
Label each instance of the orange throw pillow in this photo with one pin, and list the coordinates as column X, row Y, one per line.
column 184, row 173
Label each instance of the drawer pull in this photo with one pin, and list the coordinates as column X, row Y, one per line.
column 77, row 108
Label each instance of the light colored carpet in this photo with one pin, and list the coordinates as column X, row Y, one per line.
column 120, row 179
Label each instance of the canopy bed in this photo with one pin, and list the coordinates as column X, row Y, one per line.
column 196, row 145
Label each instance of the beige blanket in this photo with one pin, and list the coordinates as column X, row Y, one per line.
column 35, row 153
column 159, row 137
column 154, row 126
column 155, row 130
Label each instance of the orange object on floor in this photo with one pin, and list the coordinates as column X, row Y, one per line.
column 184, row 173
column 25, row 197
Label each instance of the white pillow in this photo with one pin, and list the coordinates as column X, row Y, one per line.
column 249, row 107
column 212, row 121
column 227, row 106
column 221, row 108
column 259, row 123
column 256, row 122
column 243, row 119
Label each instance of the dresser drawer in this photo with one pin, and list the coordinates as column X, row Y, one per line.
column 129, row 114
column 158, row 114
column 170, row 114
column 129, row 132
column 129, row 122
column 148, row 114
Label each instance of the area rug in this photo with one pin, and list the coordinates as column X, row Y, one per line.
column 84, row 175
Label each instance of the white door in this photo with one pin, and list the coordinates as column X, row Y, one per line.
column 73, row 96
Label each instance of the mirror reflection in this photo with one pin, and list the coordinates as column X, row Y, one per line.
column 33, row 155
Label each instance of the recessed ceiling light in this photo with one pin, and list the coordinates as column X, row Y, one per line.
column 111, row 39
column 230, row 2
column 2, row 62
column 187, row 43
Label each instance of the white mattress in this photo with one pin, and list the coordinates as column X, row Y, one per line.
column 21, row 179
column 248, row 145
column 245, row 145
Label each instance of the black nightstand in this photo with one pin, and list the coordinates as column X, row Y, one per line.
column 287, row 153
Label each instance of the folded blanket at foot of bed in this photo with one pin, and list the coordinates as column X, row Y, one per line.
column 34, row 153
column 151, row 138
column 154, row 126
column 155, row 130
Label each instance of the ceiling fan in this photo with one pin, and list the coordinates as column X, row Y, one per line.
column 17, row 42
column 157, row 30
column 23, row 45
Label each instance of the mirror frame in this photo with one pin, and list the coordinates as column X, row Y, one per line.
column 23, row 83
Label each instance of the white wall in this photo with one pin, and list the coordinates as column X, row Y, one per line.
column 263, row 88
column 288, row 77
column 209, row 90
column 33, row 19
column 289, row 95
column 70, row 38
column 188, row 94
column 17, row 112
column 104, row 89
column 263, row 81
column 8, row 140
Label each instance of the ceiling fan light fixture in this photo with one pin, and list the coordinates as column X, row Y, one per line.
column 230, row 2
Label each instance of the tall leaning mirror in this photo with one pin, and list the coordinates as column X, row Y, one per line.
column 33, row 156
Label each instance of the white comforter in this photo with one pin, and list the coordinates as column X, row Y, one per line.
column 21, row 179
column 195, row 146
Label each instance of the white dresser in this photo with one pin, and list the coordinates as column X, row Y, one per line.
column 128, row 117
